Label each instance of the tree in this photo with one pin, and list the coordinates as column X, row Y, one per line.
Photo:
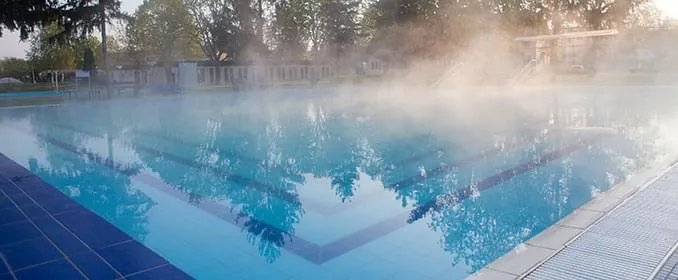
column 646, row 16
column 46, row 54
column 228, row 29
column 291, row 24
column 600, row 14
column 14, row 67
column 76, row 17
column 163, row 30
column 338, row 20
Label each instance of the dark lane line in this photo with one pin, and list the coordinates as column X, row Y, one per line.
column 293, row 243
column 387, row 226
column 453, row 198
column 450, row 167
column 408, row 182
column 319, row 254
column 245, row 182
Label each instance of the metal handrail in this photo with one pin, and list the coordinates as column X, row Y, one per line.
column 451, row 72
column 527, row 69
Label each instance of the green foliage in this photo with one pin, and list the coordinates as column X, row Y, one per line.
column 291, row 24
column 77, row 18
column 229, row 30
column 246, row 30
column 15, row 68
column 47, row 55
column 164, row 30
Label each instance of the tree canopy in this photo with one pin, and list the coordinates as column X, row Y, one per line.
column 247, row 30
column 162, row 30
column 76, row 18
column 48, row 55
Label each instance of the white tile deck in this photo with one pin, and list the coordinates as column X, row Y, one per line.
column 593, row 242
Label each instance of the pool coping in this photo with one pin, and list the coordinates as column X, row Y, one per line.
column 526, row 257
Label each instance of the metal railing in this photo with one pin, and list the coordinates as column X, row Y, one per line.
column 449, row 74
column 527, row 70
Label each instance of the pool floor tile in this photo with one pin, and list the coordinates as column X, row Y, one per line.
column 30, row 183
column 92, row 229
column 131, row 257
column 256, row 273
column 55, row 202
column 10, row 215
column 65, row 240
column 61, row 269
column 31, row 210
column 3, row 268
column 28, row 253
column 94, row 267
column 21, row 199
column 71, row 228
column 18, row 232
column 166, row 272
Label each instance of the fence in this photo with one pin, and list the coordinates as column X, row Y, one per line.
column 228, row 75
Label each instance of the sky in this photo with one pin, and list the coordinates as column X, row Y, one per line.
column 10, row 46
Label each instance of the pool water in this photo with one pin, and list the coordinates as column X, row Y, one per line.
column 311, row 186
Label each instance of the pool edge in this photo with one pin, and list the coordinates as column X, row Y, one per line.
column 526, row 257
column 77, row 252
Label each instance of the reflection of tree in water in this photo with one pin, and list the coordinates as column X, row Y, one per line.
column 105, row 191
column 480, row 229
column 268, row 219
column 332, row 149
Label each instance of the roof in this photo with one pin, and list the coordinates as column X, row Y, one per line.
column 569, row 35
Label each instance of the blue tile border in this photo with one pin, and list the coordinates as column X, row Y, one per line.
column 57, row 238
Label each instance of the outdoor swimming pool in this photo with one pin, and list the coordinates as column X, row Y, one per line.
column 312, row 187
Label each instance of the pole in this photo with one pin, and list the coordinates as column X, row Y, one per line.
column 104, row 48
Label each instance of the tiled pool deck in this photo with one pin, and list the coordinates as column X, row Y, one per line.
column 627, row 233
column 47, row 235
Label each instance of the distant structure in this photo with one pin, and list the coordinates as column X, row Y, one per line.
column 571, row 51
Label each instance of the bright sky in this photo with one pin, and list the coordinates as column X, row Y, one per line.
column 10, row 46
column 669, row 7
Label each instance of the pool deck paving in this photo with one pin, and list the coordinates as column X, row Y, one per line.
column 628, row 232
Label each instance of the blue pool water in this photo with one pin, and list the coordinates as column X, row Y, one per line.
column 30, row 93
column 326, row 187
